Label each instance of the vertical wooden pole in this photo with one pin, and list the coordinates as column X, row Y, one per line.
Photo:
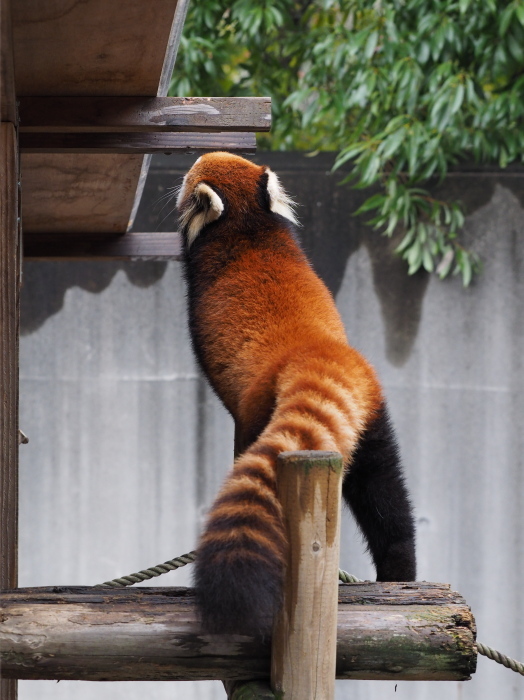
column 304, row 645
column 9, row 332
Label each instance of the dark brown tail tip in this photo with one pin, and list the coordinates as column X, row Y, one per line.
column 239, row 596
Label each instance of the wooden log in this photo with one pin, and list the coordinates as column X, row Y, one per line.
column 9, row 330
column 144, row 114
column 191, row 142
column 303, row 656
column 386, row 631
column 104, row 246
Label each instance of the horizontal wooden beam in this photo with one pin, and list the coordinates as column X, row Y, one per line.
column 102, row 246
column 144, row 114
column 192, row 142
column 399, row 631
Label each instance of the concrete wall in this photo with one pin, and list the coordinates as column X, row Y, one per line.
column 128, row 445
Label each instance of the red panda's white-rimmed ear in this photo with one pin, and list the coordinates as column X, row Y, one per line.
column 203, row 207
column 279, row 200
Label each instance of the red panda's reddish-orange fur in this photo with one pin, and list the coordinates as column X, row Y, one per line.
column 269, row 337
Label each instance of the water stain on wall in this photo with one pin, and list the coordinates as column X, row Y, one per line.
column 46, row 283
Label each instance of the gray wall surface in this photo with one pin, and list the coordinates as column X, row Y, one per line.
column 128, row 445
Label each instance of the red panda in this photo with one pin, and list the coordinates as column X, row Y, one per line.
column 268, row 336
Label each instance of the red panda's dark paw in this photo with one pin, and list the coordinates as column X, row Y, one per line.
column 399, row 564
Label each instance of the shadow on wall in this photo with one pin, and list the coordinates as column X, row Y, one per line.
column 330, row 235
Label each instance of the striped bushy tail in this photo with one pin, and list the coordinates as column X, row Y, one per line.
column 241, row 555
column 242, row 552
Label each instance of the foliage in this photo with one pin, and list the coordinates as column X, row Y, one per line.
column 402, row 88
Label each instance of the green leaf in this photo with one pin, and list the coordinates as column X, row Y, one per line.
column 516, row 49
column 369, row 170
column 505, row 19
column 457, row 100
column 391, row 144
column 371, row 44
column 467, row 270
column 377, row 200
column 427, row 260
column 392, row 223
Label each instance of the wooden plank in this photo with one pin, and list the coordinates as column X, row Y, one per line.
column 144, row 114
column 154, row 634
column 303, row 655
column 193, row 142
column 8, row 107
column 93, row 47
column 87, row 194
column 170, row 55
column 172, row 47
column 88, row 246
column 9, row 338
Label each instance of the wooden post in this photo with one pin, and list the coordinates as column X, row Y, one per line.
column 303, row 657
column 9, row 328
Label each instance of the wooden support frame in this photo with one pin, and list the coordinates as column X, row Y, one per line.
column 191, row 142
column 386, row 631
column 103, row 246
column 9, row 340
column 144, row 114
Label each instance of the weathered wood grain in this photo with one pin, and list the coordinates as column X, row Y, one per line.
column 103, row 246
column 68, row 193
column 9, row 334
column 175, row 35
column 153, row 633
column 144, row 114
column 303, row 656
column 91, row 48
column 93, row 143
column 8, row 107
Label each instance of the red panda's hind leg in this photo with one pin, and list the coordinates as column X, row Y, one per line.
column 375, row 490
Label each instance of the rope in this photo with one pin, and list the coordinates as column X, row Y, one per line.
column 343, row 576
column 147, row 574
column 348, row 578
column 495, row 655
column 177, row 563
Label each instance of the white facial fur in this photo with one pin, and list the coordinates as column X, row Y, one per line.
column 280, row 202
column 206, row 206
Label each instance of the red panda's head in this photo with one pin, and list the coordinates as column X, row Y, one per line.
column 220, row 184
